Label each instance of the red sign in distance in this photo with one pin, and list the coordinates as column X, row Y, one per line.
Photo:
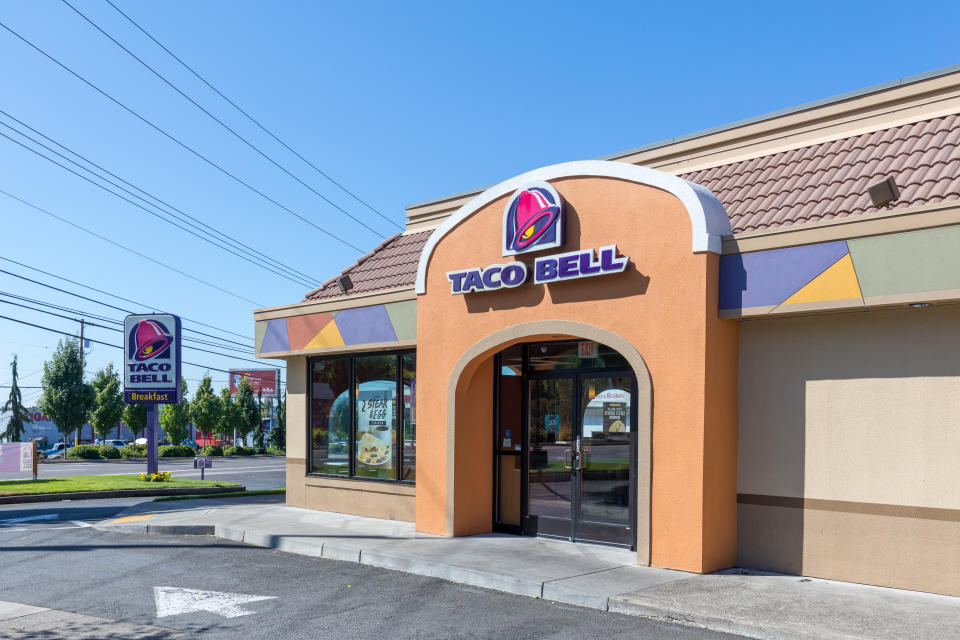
column 266, row 380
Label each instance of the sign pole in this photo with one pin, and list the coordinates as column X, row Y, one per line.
column 152, row 464
column 34, row 460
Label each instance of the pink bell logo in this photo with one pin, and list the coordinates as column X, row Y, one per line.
column 150, row 340
column 533, row 219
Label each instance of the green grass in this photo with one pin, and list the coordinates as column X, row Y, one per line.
column 68, row 484
column 232, row 494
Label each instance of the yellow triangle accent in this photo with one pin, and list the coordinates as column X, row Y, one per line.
column 329, row 336
column 838, row 282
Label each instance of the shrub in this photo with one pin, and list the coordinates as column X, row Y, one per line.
column 238, row 451
column 275, row 451
column 163, row 476
column 134, row 451
column 176, row 451
column 109, row 451
column 259, row 450
column 212, row 450
column 84, row 452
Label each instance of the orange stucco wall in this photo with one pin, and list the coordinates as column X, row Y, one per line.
column 665, row 305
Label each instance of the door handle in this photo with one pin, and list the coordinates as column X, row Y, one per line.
column 567, row 463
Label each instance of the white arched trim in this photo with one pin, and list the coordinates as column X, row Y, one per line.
column 707, row 216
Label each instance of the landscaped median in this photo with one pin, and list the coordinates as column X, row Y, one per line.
column 113, row 486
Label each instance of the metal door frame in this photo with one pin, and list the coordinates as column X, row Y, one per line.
column 527, row 526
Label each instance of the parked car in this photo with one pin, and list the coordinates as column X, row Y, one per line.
column 119, row 444
column 58, row 450
column 192, row 444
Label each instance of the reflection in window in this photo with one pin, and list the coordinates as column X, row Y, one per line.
column 376, row 411
column 409, row 361
column 357, row 403
column 330, row 416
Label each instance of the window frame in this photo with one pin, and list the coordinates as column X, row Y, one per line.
column 352, row 390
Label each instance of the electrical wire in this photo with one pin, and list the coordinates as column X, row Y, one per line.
column 65, row 168
column 87, row 314
column 113, row 295
column 223, row 124
column 234, row 242
column 178, row 141
column 251, row 118
column 125, row 248
column 106, row 344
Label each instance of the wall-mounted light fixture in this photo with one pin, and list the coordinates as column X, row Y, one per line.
column 884, row 192
column 345, row 283
column 919, row 305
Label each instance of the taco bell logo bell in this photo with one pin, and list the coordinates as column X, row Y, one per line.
column 533, row 219
column 152, row 364
column 150, row 341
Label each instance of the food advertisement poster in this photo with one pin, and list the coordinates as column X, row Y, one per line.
column 375, row 430
column 615, row 417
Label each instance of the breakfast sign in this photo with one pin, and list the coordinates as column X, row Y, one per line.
column 533, row 221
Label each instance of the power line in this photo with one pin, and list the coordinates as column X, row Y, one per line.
column 113, row 295
column 252, row 119
column 179, row 142
column 65, row 168
column 106, row 344
column 87, row 314
column 236, row 242
column 224, row 125
column 125, row 248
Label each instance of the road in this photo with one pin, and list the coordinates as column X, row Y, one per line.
column 107, row 585
column 267, row 472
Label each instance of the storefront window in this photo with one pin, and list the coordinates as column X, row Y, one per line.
column 409, row 361
column 330, row 416
column 580, row 354
column 376, row 411
column 363, row 414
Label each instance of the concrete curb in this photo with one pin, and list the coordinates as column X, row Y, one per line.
column 119, row 493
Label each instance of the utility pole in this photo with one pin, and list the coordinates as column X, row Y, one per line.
column 76, row 440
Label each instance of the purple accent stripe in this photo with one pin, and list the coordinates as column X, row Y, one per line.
column 767, row 278
column 275, row 337
column 364, row 325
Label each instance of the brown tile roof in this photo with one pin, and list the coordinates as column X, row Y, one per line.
column 392, row 264
column 818, row 182
column 829, row 180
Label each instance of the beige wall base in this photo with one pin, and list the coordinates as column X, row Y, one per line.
column 853, row 545
column 354, row 497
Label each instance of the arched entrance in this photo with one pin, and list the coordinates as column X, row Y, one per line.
column 564, row 442
column 577, row 474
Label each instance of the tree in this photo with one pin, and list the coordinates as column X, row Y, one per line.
column 205, row 408
column 135, row 417
column 175, row 418
column 229, row 416
column 278, row 435
column 66, row 398
column 249, row 417
column 20, row 415
column 107, row 402
column 258, row 434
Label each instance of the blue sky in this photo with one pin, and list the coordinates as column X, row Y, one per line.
column 398, row 102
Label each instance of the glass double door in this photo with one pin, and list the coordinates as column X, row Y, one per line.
column 580, row 472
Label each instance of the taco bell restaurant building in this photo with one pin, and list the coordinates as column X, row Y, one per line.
column 739, row 347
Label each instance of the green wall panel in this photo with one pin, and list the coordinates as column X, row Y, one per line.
column 403, row 317
column 259, row 329
column 914, row 261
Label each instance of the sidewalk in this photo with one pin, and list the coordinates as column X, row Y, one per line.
column 750, row 604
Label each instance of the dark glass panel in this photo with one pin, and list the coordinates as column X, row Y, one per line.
column 330, row 416
column 550, row 419
column 376, row 417
column 574, row 354
column 607, row 442
column 409, row 467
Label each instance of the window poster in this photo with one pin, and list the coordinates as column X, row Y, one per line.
column 375, row 428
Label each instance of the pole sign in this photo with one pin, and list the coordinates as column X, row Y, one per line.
column 534, row 221
column 151, row 367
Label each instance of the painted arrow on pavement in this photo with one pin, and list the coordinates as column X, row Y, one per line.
column 172, row 601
